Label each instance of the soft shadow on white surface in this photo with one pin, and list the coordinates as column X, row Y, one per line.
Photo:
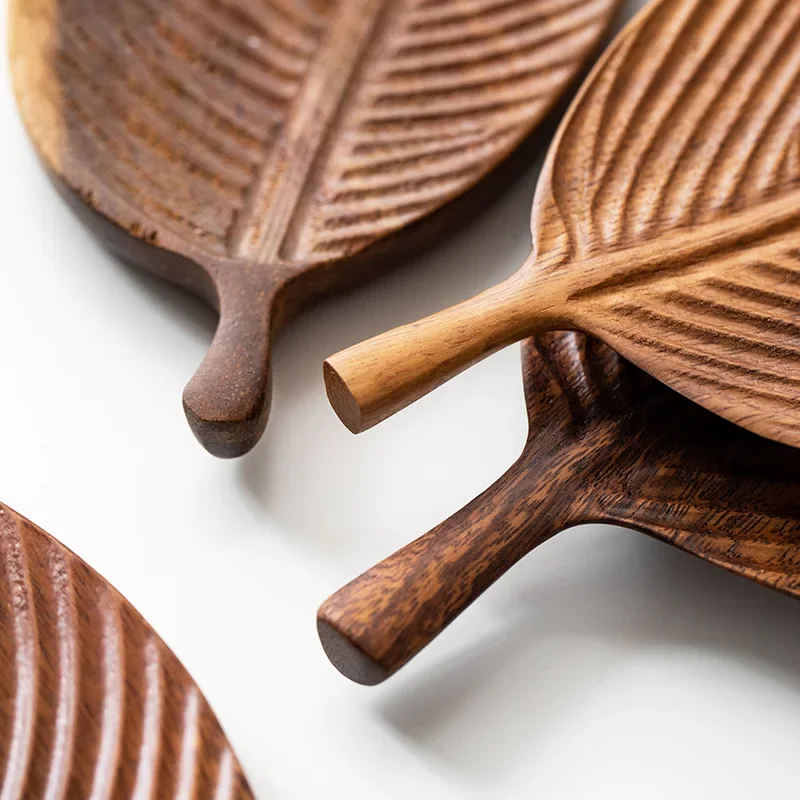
column 188, row 313
column 312, row 476
column 559, row 646
column 605, row 666
column 334, row 491
column 338, row 491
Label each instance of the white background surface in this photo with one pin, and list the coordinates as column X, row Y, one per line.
column 605, row 665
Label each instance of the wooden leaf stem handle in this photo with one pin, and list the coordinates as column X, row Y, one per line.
column 370, row 381
column 227, row 401
column 377, row 623
column 666, row 224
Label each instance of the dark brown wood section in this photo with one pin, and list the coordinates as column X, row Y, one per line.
column 607, row 443
column 264, row 152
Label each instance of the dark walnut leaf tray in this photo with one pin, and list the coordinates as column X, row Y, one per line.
column 607, row 443
column 92, row 703
column 262, row 153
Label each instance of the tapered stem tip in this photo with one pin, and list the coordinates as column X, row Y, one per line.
column 351, row 661
column 341, row 399
column 225, row 438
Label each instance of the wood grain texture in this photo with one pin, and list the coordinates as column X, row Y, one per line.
column 665, row 223
column 263, row 152
column 92, row 703
column 607, row 443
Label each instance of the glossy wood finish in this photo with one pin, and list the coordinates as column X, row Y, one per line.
column 92, row 703
column 666, row 223
column 264, row 152
column 607, row 443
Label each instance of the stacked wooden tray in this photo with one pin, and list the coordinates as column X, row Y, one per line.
column 667, row 224
column 262, row 156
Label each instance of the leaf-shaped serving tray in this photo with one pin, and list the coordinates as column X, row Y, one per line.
column 263, row 152
column 92, row 703
column 666, row 223
column 607, row 443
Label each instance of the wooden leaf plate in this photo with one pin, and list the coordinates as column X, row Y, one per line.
column 666, row 223
column 607, row 443
column 263, row 152
column 92, row 703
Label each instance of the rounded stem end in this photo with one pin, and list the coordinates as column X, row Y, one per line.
column 341, row 399
column 347, row 657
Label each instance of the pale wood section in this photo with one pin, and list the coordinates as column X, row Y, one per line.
column 373, row 380
column 632, row 226
column 31, row 33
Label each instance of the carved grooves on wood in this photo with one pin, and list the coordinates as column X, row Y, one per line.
column 688, row 460
column 97, row 706
column 738, row 333
column 176, row 104
column 450, row 88
column 676, row 182
column 239, row 126
column 586, row 376
column 632, row 162
column 743, row 539
column 708, row 487
column 329, row 84
column 727, row 341
column 678, row 112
